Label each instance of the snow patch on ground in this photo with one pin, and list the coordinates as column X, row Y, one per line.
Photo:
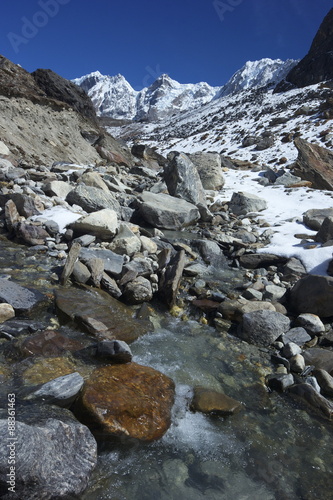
column 285, row 216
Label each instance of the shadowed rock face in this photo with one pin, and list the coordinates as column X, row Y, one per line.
column 317, row 65
column 56, row 87
column 17, row 82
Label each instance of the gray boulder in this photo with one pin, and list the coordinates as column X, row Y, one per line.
column 102, row 224
column 113, row 263
column 325, row 232
column 243, row 203
column 313, row 294
column 325, row 381
column 287, row 179
column 60, row 391
column 311, row 323
column 93, row 179
column 293, row 267
column 116, row 351
column 315, row 217
column 54, row 454
column 279, row 381
column 22, row 299
column 183, row 180
column 138, row 291
column 57, row 188
column 166, row 212
column 263, row 327
column 308, row 394
column 209, row 169
column 125, row 242
column 297, row 335
column 91, row 199
column 210, row 252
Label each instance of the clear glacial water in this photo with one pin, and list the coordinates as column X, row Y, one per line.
column 272, row 450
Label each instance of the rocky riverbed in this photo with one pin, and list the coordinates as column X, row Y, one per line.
column 97, row 257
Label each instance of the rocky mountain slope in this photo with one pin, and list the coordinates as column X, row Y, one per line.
column 253, row 125
column 45, row 118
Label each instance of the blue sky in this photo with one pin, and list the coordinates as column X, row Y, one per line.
column 191, row 40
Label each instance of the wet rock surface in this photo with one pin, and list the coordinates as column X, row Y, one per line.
column 117, row 318
column 20, row 298
column 54, row 453
column 128, row 400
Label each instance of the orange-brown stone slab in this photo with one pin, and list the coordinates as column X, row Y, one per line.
column 127, row 400
column 208, row 401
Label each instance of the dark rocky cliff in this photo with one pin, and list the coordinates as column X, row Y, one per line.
column 317, row 65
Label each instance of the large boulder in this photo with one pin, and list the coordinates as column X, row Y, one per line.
column 102, row 224
column 314, row 164
column 263, row 327
column 53, row 455
column 209, row 169
column 57, row 188
column 243, row 203
column 127, row 400
column 183, row 180
column 166, row 212
column 91, row 199
column 117, row 318
column 313, row 294
column 314, row 217
column 93, row 179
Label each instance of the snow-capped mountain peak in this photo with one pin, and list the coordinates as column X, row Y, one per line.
column 255, row 74
column 113, row 96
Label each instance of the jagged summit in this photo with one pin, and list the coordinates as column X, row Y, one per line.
column 256, row 74
column 114, row 97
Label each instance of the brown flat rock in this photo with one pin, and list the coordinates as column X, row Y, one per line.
column 127, row 400
column 49, row 343
column 209, row 401
column 73, row 303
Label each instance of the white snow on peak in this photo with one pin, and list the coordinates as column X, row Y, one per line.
column 113, row 96
column 258, row 74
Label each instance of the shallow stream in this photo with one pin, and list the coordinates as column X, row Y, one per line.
column 272, row 450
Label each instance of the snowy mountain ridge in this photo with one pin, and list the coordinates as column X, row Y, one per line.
column 256, row 74
column 114, row 97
